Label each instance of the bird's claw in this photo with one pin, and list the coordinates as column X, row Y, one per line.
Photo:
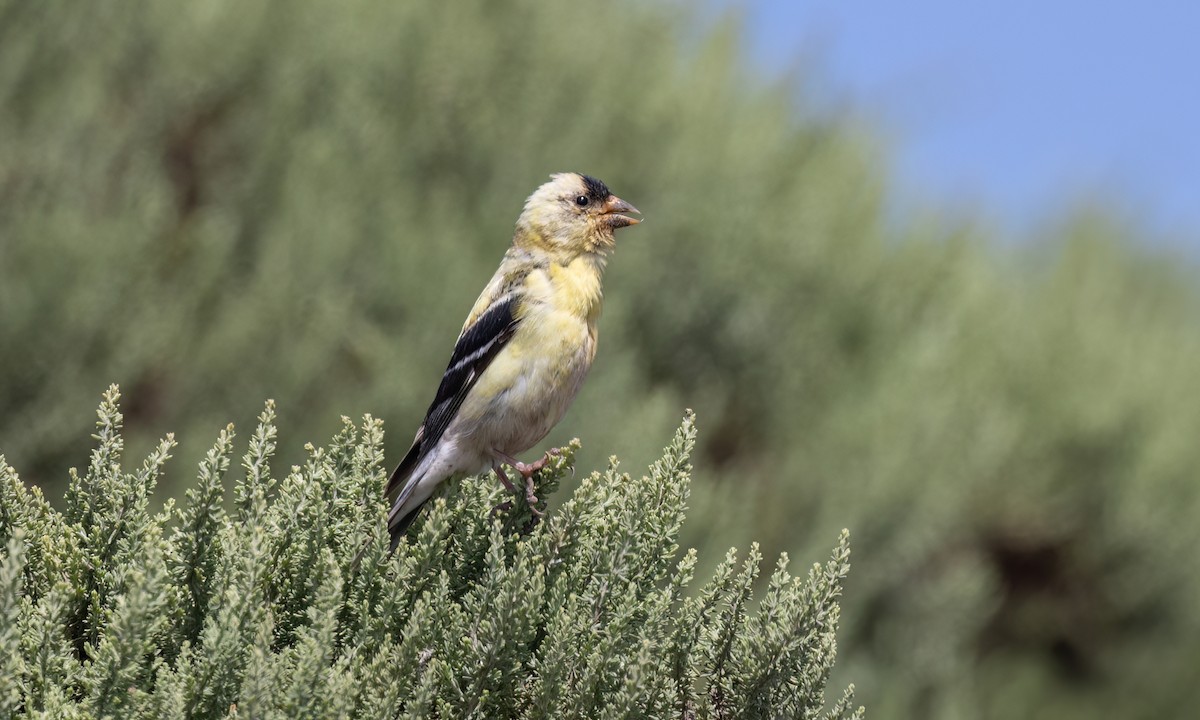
column 501, row 507
column 530, row 498
column 527, row 470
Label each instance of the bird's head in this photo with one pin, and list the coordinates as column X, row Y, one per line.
column 573, row 214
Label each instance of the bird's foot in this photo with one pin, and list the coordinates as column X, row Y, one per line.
column 529, row 496
column 527, row 470
column 501, row 507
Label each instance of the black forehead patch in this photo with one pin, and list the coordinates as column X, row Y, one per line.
column 596, row 189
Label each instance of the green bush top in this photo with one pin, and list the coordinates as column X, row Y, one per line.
column 287, row 604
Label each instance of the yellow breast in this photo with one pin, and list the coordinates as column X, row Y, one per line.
column 530, row 384
column 577, row 288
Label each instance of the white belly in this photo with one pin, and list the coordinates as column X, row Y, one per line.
column 536, row 403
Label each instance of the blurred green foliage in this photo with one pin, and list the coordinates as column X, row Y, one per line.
column 213, row 203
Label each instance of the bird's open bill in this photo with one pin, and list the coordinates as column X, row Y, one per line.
column 614, row 206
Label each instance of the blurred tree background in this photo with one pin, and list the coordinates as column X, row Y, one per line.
column 214, row 203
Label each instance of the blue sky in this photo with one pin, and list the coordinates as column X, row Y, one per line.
column 1013, row 109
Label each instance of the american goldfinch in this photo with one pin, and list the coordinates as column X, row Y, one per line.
column 524, row 350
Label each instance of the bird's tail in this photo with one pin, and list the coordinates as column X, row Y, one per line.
column 399, row 525
column 400, row 486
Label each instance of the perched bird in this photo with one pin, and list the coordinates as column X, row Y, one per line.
column 524, row 349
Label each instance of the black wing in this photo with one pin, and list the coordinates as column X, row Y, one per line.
column 473, row 352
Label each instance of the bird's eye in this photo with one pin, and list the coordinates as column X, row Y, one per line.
column 581, row 200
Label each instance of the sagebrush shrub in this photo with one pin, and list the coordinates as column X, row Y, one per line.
column 287, row 604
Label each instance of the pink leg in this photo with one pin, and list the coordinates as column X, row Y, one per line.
column 503, row 478
column 507, row 505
